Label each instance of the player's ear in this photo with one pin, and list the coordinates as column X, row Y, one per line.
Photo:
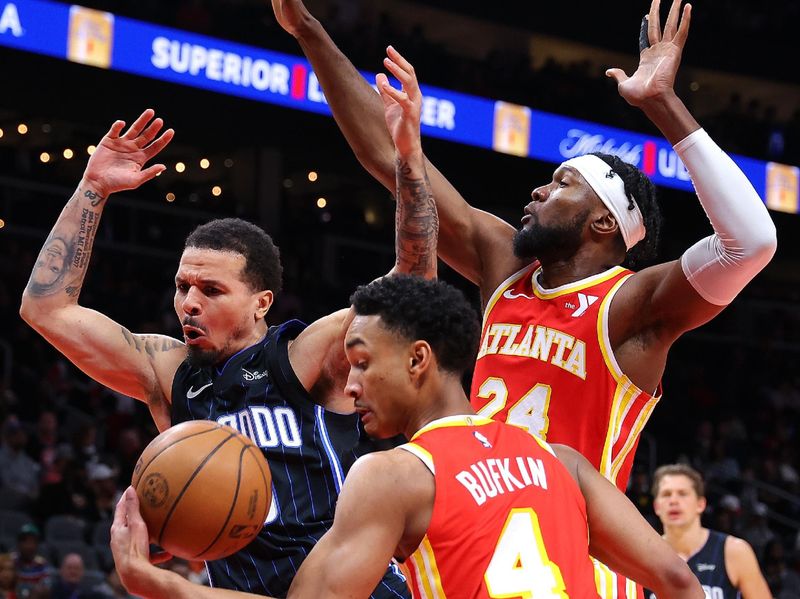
column 264, row 300
column 701, row 504
column 420, row 358
column 604, row 223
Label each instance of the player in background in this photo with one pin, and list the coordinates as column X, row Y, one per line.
column 725, row 565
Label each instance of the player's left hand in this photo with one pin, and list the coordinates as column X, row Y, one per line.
column 659, row 57
column 130, row 544
column 403, row 107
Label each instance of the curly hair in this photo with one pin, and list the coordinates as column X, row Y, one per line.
column 262, row 269
column 639, row 186
column 432, row 311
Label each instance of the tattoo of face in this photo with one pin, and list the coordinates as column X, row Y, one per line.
column 96, row 198
column 51, row 266
column 417, row 222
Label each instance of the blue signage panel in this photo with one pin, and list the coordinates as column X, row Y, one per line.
column 104, row 40
column 35, row 26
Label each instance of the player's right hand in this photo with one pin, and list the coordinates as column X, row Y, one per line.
column 130, row 545
column 402, row 107
column 290, row 15
column 118, row 162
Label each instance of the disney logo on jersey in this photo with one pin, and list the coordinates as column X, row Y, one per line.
column 706, row 567
column 253, row 376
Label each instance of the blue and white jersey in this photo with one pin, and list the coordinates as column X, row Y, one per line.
column 308, row 448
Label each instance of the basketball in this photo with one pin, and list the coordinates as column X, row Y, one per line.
column 204, row 490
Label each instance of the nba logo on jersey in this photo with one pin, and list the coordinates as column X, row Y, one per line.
column 483, row 440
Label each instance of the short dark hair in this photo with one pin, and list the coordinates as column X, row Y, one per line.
column 639, row 186
column 432, row 311
column 682, row 470
column 262, row 269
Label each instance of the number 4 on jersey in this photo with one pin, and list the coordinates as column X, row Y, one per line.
column 520, row 566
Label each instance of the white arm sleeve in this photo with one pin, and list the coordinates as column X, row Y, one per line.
column 744, row 239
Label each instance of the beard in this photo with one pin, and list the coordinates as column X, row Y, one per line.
column 552, row 241
column 202, row 358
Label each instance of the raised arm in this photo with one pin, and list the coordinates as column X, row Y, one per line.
column 662, row 302
column 623, row 540
column 475, row 243
column 140, row 366
column 416, row 219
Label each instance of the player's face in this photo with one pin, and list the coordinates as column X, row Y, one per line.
column 677, row 503
column 219, row 312
column 554, row 221
column 51, row 263
column 379, row 380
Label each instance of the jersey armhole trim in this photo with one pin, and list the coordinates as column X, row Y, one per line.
column 602, row 331
column 423, row 454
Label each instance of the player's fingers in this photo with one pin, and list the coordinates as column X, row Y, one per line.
column 396, row 95
column 116, row 129
column 150, row 133
column 138, row 125
column 159, row 557
column 159, row 144
column 654, row 22
column 403, row 76
column 400, row 60
column 121, row 512
column 382, row 83
column 151, row 172
column 617, row 75
column 672, row 20
column 644, row 42
column 683, row 30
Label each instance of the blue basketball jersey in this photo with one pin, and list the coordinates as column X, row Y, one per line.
column 708, row 565
column 309, row 451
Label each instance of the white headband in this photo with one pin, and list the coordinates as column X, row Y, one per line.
column 610, row 188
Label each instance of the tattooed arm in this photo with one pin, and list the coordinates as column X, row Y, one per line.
column 416, row 219
column 140, row 366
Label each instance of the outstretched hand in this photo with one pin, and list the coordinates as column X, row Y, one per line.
column 130, row 544
column 403, row 107
column 118, row 161
column 658, row 63
column 290, row 14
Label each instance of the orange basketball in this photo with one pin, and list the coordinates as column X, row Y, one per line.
column 204, row 490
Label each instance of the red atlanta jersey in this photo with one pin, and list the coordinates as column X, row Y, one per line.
column 508, row 519
column 545, row 363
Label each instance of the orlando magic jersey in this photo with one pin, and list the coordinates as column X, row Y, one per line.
column 309, row 451
column 708, row 565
